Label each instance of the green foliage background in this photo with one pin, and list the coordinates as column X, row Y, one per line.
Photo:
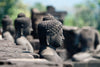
column 12, row 8
column 86, row 14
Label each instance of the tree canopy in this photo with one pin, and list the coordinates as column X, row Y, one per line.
column 86, row 14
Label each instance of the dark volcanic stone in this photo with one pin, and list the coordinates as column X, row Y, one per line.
column 10, row 50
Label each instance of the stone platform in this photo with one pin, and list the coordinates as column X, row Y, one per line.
column 45, row 63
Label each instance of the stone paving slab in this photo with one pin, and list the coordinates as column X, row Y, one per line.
column 28, row 63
